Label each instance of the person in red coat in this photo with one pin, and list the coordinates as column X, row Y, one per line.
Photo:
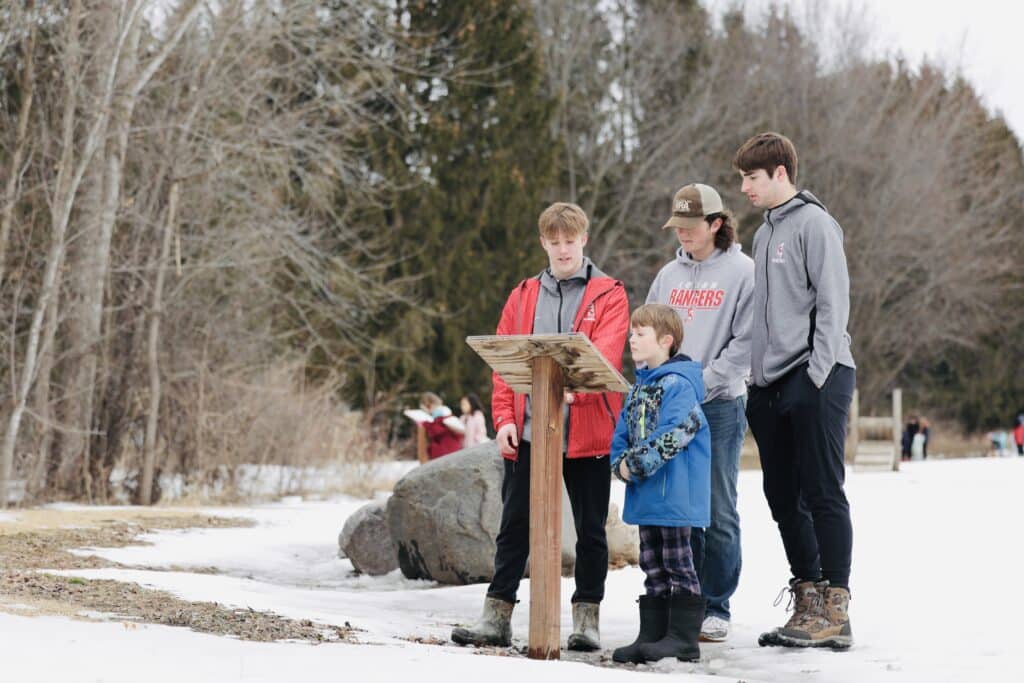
column 1018, row 434
column 444, row 431
column 570, row 295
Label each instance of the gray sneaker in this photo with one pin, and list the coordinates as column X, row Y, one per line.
column 714, row 629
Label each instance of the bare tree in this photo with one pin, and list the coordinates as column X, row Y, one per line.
column 209, row 182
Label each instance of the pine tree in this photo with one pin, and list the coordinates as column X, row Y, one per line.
column 473, row 171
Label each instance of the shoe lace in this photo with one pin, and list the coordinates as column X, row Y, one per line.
column 782, row 593
column 816, row 598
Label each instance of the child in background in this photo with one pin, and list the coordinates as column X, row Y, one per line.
column 662, row 451
column 444, row 430
column 472, row 420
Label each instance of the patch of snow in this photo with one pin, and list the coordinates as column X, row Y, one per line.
column 934, row 571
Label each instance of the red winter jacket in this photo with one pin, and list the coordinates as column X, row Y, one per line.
column 603, row 316
column 441, row 440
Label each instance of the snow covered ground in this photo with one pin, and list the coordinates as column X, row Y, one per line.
column 936, row 597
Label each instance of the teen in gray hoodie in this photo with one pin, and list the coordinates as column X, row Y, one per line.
column 803, row 381
column 710, row 285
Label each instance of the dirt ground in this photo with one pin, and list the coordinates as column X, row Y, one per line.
column 40, row 539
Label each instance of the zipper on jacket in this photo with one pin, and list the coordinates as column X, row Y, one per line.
column 767, row 256
column 608, row 408
column 558, row 284
column 568, row 410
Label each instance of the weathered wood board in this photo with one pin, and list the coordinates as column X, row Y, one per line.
column 585, row 370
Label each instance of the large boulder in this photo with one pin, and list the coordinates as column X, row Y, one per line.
column 444, row 517
column 366, row 541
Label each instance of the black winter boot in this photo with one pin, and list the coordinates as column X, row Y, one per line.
column 653, row 624
column 685, row 616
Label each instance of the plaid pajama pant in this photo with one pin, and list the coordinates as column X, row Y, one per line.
column 667, row 559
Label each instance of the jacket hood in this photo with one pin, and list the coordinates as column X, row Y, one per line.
column 799, row 200
column 684, row 259
column 679, row 364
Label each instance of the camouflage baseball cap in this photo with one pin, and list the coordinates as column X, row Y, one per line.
column 691, row 204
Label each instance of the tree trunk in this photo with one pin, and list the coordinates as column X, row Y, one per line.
column 153, row 351
column 21, row 142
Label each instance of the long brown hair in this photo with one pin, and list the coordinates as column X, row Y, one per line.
column 726, row 234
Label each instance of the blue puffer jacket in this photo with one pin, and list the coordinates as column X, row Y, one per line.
column 664, row 437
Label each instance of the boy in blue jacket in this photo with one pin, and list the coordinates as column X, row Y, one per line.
column 662, row 451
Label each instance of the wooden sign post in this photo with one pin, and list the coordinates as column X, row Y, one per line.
column 544, row 366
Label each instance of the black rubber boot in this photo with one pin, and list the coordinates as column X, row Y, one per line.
column 685, row 616
column 653, row 624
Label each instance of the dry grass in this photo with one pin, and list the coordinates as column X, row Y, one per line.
column 40, row 539
column 250, row 435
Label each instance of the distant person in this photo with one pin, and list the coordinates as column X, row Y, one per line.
column 917, row 447
column 1018, row 434
column 662, row 451
column 926, row 432
column 444, row 430
column 803, row 381
column 710, row 285
column 907, row 439
column 997, row 439
column 473, row 420
column 570, row 295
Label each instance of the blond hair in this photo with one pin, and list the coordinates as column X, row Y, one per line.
column 663, row 319
column 563, row 218
column 429, row 399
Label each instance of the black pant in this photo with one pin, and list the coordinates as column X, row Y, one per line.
column 801, row 433
column 588, row 482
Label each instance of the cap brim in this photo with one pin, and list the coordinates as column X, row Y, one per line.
column 683, row 222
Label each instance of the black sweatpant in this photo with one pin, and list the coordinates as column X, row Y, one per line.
column 801, row 433
column 588, row 482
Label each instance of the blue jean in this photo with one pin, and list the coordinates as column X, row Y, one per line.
column 716, row 550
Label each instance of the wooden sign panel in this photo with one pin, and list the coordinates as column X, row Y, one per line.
column 584, row 369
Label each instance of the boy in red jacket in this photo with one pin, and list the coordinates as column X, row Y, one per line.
column 570, row 295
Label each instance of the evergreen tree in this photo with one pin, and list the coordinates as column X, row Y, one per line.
column 473, row 171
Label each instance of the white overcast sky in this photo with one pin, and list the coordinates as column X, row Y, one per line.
column 983, row 37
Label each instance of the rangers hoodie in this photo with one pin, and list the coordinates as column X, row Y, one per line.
column 714, row 300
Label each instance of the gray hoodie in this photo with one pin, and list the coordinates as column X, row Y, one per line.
column 557, row 304
column 713, row 297
column 801, row 293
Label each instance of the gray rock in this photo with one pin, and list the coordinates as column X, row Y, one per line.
column 623, row 540
column 444, row 518
column 366, row 541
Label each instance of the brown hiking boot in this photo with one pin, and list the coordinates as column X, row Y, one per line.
column 824, row 621
column 805, row 600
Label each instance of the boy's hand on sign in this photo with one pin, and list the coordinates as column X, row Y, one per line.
column 623, row 470
column 508, row 439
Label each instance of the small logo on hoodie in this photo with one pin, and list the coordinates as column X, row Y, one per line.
column 591, row 314
column 780, row 256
